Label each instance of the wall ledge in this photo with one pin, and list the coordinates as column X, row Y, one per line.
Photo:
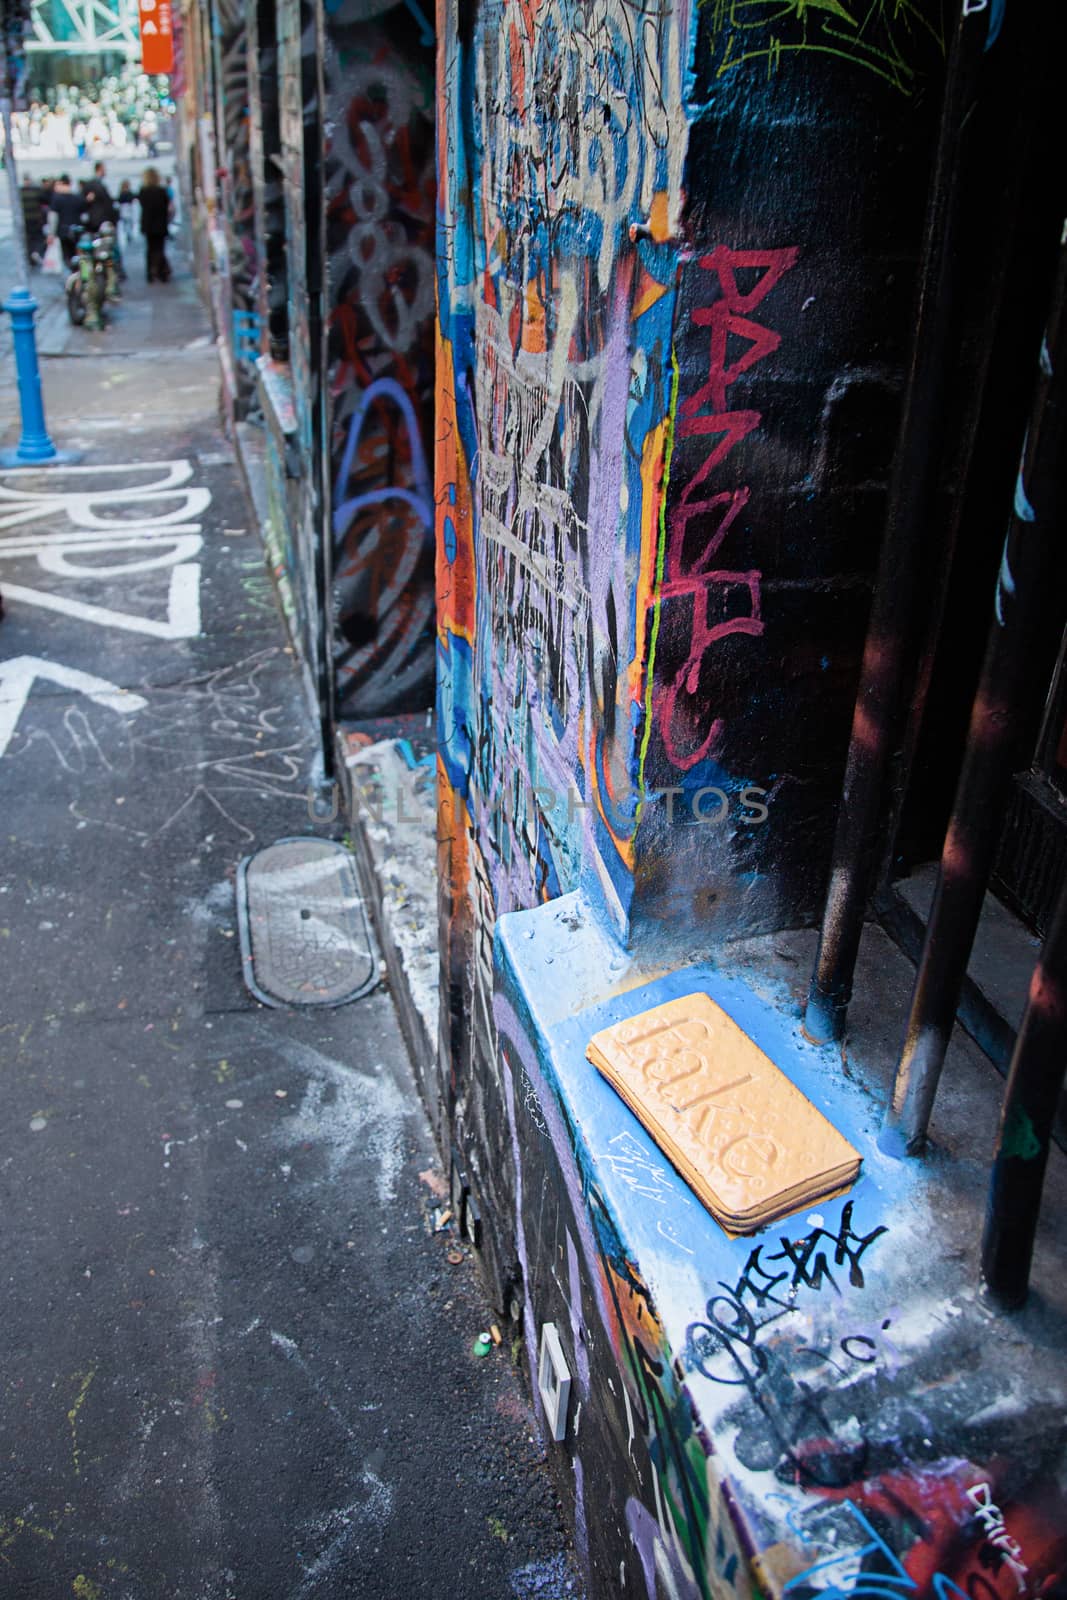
column 838, row 1372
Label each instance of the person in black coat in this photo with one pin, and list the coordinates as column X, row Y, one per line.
column 98, row 202
column 124, row 201
column 67, row 208
column 155, row 219
column 35, row 219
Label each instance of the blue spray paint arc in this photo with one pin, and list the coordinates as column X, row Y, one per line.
column 422, row 501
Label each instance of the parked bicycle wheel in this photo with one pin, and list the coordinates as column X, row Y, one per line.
column 76, row 309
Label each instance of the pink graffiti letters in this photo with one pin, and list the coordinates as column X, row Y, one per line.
column 724, row 601
column 723, row 318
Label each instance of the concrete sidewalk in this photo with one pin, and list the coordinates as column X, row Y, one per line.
column 148, row 321
column 238, row 1356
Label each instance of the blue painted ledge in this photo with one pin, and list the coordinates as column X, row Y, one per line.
column 791, row 1413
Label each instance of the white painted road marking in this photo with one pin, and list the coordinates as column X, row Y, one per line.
column 183, row 607
column 17, row 678
column 147, row 521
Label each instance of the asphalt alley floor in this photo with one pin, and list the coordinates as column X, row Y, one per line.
column 237, row 1360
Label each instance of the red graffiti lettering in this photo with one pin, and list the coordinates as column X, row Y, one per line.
column 679, row 566
column 761, row 342
column 726, row 263
column 701, row 520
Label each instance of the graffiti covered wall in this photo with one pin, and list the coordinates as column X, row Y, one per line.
column 672, row 328
column 268, row 191
column 231, row 61
column 299, row 117
column 821, row 1410
column 379, row 199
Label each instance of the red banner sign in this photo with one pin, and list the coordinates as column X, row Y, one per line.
column 157, row 40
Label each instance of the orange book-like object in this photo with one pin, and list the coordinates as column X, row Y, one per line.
column 744, row 1138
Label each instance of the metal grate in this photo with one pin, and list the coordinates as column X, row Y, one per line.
column 1021, row 626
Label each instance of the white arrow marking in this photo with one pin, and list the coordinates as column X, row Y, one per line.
column 17, row 678
column 183, row 607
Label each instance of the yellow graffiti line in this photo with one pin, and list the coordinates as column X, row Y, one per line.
column 893, row 73
column 72, row 1416
column 10, row 1532
column 661, row 556
column 651, row 470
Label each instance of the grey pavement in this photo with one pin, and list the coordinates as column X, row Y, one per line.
column 238, row 1355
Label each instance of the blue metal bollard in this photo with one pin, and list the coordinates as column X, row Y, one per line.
column 35, row 448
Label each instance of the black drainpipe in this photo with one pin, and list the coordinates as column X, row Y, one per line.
column 908, row 528
column 1032, row 569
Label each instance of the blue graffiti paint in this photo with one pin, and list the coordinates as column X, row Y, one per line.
column 855, row 1580
column 1023, row 509
column 996, row 21
column 426, row 33
column 420, row 501
column 455, row 681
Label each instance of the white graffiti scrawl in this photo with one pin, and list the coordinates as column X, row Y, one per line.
column 144, row 516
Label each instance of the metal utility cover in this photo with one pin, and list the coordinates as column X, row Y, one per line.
column 305, row 938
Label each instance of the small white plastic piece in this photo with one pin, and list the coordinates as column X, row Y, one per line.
column 554, row 1381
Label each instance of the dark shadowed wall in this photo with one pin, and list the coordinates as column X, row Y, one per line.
column 379, row 217
column 676, row 256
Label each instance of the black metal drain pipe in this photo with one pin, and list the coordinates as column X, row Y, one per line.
column 911, row 496
column 1032, row 568
column 1030, row 1099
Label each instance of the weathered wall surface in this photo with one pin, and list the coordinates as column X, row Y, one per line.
column 323, row 120
column 231, row 61
column 676, row 255
column 827, row 1410
column 268, row 191
column 552, row 418
column 298, row 126
column 379, row 199
column 806, row 182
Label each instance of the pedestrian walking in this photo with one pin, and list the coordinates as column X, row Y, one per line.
column 35, row 218
column 97, row 197
column 155, row 220
column 126, row 200
column 66, row 210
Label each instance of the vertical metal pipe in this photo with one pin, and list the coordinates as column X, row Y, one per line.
column 1033, row 566
column 315, row 226
column 34, row 447
column 1034, row 1086
column 911, row 495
